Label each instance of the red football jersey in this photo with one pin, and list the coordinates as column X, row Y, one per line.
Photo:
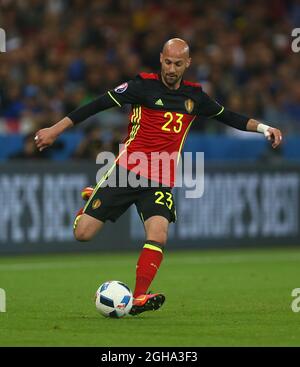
column 158, row 124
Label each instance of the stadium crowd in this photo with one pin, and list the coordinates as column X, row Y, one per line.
column 63, row 53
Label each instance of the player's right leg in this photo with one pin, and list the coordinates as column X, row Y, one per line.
column 85, row 226
column 103, row 203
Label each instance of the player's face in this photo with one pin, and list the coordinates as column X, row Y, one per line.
column 173, row 68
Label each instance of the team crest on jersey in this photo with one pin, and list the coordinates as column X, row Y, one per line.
column 189, row 105
column 96, row 203
column 121, row 88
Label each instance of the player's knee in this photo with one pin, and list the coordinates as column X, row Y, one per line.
column 157, row 230
column 82, row 235
column 160, row 237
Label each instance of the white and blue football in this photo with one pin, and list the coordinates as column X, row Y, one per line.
column 113, row 299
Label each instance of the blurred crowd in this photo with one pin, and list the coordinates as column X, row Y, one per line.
column 63, row 53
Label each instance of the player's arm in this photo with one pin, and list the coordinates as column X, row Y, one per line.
column 212, row 109
column 271, row 133
column 129, row 92
column 241, row 122
column 46, row 137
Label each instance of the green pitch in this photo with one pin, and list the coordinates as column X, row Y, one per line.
column 213, row 298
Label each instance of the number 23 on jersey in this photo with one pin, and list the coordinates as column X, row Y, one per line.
column 173, row 122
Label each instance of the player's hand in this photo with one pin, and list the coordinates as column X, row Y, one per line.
column 275, row 136
column 44, row 138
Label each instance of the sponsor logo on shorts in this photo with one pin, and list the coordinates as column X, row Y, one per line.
column 96, row 203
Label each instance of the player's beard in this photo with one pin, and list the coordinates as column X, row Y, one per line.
column 171, row 79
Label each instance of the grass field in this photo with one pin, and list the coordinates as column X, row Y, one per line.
column 214, row 298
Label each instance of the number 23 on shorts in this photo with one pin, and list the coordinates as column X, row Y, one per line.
column 164, row 198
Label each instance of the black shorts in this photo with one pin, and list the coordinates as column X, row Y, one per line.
column 109, row 203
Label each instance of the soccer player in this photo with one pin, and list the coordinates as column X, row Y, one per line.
column 163, row 108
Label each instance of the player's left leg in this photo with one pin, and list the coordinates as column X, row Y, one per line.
column 156, row 209
column 156, row 228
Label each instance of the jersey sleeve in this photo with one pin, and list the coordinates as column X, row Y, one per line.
column 233, row 119
column 83, row 112
column 208, row 107
column 130, row 92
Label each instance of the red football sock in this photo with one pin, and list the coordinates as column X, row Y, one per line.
column 147, row 266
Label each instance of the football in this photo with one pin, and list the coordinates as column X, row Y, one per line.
column 113, row 299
